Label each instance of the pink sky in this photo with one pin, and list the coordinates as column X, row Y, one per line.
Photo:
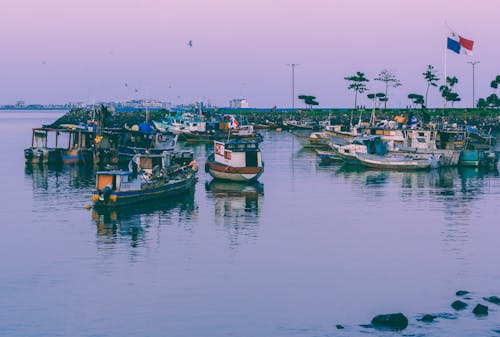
column 54, row 51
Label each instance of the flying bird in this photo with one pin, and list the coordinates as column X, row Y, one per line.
column 136, row 90
column 190, row 43
column 126, row 84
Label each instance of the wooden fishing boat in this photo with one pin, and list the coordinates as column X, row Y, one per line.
column 371, row 151
column 62, row 145
column 328, row 156
column 316, row 140
column 236, row 160
column 396, row 162
column 150, row 176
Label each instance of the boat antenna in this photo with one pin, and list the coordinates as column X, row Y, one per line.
column 147, row 111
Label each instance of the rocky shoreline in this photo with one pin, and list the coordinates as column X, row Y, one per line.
column 489, row 122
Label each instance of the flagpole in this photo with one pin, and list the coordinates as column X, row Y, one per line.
column 445, row 65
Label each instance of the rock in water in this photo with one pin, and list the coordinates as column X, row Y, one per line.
column 492, row 299
column 480, row 310
column 462, row 292
column 427, row 318
column 459, row 305
column 339, row 326
column 390, row 321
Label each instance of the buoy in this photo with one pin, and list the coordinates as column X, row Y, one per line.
column 88, row 207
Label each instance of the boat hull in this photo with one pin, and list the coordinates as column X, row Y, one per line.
column 224, row 172
column 316, row 142
column 209, row 138
column 392, row 163
column 35, row 155
column 328, row 156
column 120, row 198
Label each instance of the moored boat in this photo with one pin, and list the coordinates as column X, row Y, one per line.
column 149, row 176
column 390, row 162
column 62, row 145
column 328, row 156
column 371, row 151
column 236, row 160
column 316, row 140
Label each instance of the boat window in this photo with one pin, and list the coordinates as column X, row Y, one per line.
column 421, row 134
column 227, row 155
column 421, row 140
column 241, row 146
column 251, row 146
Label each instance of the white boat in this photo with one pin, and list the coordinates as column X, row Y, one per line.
column 316, row 140
column 236, row 160
column 371, row 151
column 391, row 162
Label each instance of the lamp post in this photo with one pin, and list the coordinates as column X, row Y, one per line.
column 293, row 65
column 473, row 82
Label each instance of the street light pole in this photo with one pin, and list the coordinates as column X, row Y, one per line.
column 293, row 65
column 473, row 82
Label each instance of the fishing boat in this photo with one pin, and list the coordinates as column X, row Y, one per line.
column 338, row 131
column 316, row 140
column 304, row 124
column 328, row 156
column 391, row 162
column 66, row 144
column 371, row 151
column 236, row 160
column 150, row 176
column 136, row 142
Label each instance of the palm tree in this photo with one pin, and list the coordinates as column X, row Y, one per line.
column 430, row 75
column 358, row 84
column 416, row 99
column 390, row 80
column 447, row 91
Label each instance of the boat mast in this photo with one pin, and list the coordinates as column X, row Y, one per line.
column 147, row 111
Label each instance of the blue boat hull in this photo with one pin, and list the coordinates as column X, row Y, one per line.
column 120, row 198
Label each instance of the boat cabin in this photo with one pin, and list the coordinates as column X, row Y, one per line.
column 365, row 144
column 238, row 153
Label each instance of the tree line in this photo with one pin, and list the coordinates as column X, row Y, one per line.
column 358, row 83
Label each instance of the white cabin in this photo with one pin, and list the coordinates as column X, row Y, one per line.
column 238, row 153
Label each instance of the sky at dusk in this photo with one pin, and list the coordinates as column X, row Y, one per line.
column 55, row 51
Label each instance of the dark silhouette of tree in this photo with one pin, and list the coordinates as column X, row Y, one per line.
column 358, row 84
column 416, row 100
column 481, row 103
column 492, row 101
column 390, row 80
column 309, row 100
column 447, row 91
column 430, row 75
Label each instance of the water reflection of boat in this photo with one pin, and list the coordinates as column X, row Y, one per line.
column 56, row 176
column 237, row 206
column 135, row 219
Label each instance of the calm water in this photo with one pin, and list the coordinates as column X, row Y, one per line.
column 312, row 247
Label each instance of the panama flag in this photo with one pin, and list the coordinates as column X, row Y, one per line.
column 456, row 42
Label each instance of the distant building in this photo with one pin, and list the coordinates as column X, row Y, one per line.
column 76, row 105
column 20, row 104
column 239, row 103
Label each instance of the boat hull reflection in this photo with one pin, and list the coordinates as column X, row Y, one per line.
column 135, row 219
column 237, row 208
